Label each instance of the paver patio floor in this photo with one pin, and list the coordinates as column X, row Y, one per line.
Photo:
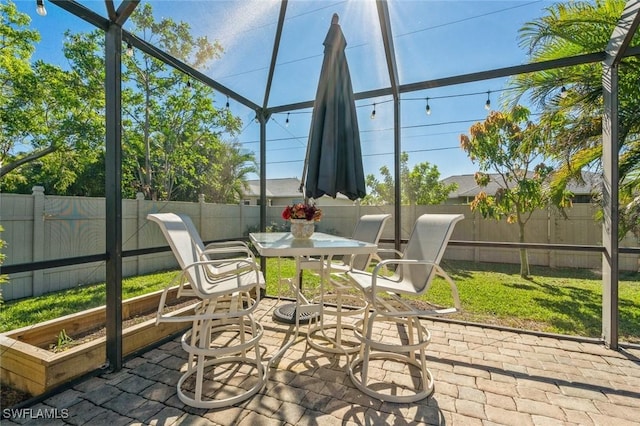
column 482, row 376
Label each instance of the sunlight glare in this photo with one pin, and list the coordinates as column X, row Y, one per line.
column 238, row 28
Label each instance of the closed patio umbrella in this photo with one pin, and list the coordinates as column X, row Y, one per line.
column 333, row 163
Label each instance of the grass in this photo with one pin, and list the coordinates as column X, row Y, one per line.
column 562, row 301
column 23, row 312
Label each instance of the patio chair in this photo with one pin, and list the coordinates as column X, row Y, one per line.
column 191, row 227
column 229, row 250
column 223, row 342
column 392, row 331
column 345, row 300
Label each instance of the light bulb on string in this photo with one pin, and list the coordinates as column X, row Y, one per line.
column 227, row 104
column 487, row 105
column 40, row 9
column 563, row 92
column 428, row 108
column 286, row 122
column 189, row 84
column 373, row 113
column 129, row 51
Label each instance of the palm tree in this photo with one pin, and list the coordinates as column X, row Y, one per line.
column 571, row 98
column 226, row 178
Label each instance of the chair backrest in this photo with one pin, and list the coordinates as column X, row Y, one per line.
column 428, row 241
column 192, row 230
column 184, row 248
column 368, row 229
column 233, row 247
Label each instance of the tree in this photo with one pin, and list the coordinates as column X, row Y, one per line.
column 16, row 78
column 172, row 134
column 172, row 129
column 511, row 146
column 420, row 186
column 226, row 181
column 51, row 118
column 16, row 48
column 64, row 132
column 571, row 98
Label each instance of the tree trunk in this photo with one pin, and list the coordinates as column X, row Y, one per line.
column 4, row 170
column 524, row 258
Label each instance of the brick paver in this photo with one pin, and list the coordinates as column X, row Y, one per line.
column 482, row 377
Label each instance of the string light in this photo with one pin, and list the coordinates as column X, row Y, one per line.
column 427, row 109
column 227, row 104
column 129, row 51
column 189, row 83
column 286, row 122
column 40, row 9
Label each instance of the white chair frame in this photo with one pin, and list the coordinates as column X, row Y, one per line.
column 225, row 309
column 413, row 277
column 369, row 228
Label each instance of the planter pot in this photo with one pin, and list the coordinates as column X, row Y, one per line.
column 27, row 365
column 302, row 228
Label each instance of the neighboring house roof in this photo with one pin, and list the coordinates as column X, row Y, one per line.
column 591, row 183
column 283, row 187
column 467, row 186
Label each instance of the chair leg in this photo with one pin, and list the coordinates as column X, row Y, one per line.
column 376, row 348
column 330, row 332
column 214, row 367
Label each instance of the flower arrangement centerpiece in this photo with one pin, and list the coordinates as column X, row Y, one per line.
column 303, row 211
column 302, row 217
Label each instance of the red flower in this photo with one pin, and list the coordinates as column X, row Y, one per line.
column 286, row 213
column 302, row 211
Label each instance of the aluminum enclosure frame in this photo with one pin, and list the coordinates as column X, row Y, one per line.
column 114, row 36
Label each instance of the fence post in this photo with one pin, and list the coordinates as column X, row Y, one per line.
column 551, row 237
column 241, row 214
column 140, row 222
column 476, row 236
column 37, row 277
column 201, row 218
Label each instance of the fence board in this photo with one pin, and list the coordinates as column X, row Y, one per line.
column 42, row 227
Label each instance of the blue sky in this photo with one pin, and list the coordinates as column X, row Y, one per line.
column 433, row 39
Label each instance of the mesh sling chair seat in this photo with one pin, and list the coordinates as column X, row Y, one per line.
column 224, row 364
column 341, row 299
column 391, row 331
column 222, row 250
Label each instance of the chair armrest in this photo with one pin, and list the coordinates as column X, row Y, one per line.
column 250, row 263
column 437, row 270
column 209, row 250
column 384, row 263
column 231, row 244
column 242, row 265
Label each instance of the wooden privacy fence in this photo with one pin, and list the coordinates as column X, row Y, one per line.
column 42, row 227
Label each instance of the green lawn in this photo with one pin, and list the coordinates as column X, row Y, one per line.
column 563, row 301
column 54, row 305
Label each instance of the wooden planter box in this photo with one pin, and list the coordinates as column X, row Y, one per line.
column 27, row 366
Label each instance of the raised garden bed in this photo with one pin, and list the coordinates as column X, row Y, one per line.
column 28, row 364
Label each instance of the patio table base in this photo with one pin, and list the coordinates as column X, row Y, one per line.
column 287, row 314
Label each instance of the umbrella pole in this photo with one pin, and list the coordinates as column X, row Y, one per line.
column 304, row 174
